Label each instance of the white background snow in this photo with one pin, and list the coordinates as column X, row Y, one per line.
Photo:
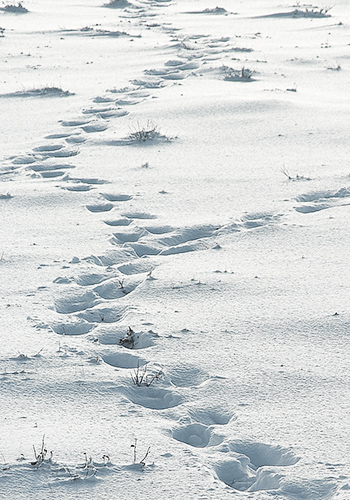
column 208, row 262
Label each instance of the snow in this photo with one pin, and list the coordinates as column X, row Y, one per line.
column 174, row 196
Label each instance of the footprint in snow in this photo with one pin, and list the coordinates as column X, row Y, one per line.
column 159, row 229
column 75, row 123
column 138, row 215
column 44, row 167
column 98, row 110
column 103, row 314
column 187, row 375
column 197, row 435
column 75, row 139
column 242, row 465
column 91, row 278
column 211, row 416
column 126, row 338
column 49, row 174
column 78, row 187
column 123, row 360
column 114, row 257
column 139, row 266
column 74, row 327
column 117, row 197
column 24, row 160
column 48, row 148
column 101, row 207
column 89, row 180
column 58, row 136
column 102, row 99
column 95, row 127
column 118, row 222
column 116, row 288
column 321, row 200
column 76, row 300
column 61, row 153
column 153, row 397
column 132, row 235
column 151, row 83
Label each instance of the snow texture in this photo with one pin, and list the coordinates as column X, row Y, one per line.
column 174, row 196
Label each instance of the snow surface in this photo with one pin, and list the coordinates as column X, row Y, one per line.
column 174, row 257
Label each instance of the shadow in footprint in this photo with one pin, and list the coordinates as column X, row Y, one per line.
column 117, row 197
column 129, row 236
column 102, row 207
column 118, row 222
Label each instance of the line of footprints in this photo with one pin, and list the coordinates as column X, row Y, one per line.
column 98, row 296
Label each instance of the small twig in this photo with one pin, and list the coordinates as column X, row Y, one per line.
column 129, row 339
column 139, row 375
column 135, row 450
column 144, row 458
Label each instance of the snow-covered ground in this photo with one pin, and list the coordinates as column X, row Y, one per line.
column 174, row 250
